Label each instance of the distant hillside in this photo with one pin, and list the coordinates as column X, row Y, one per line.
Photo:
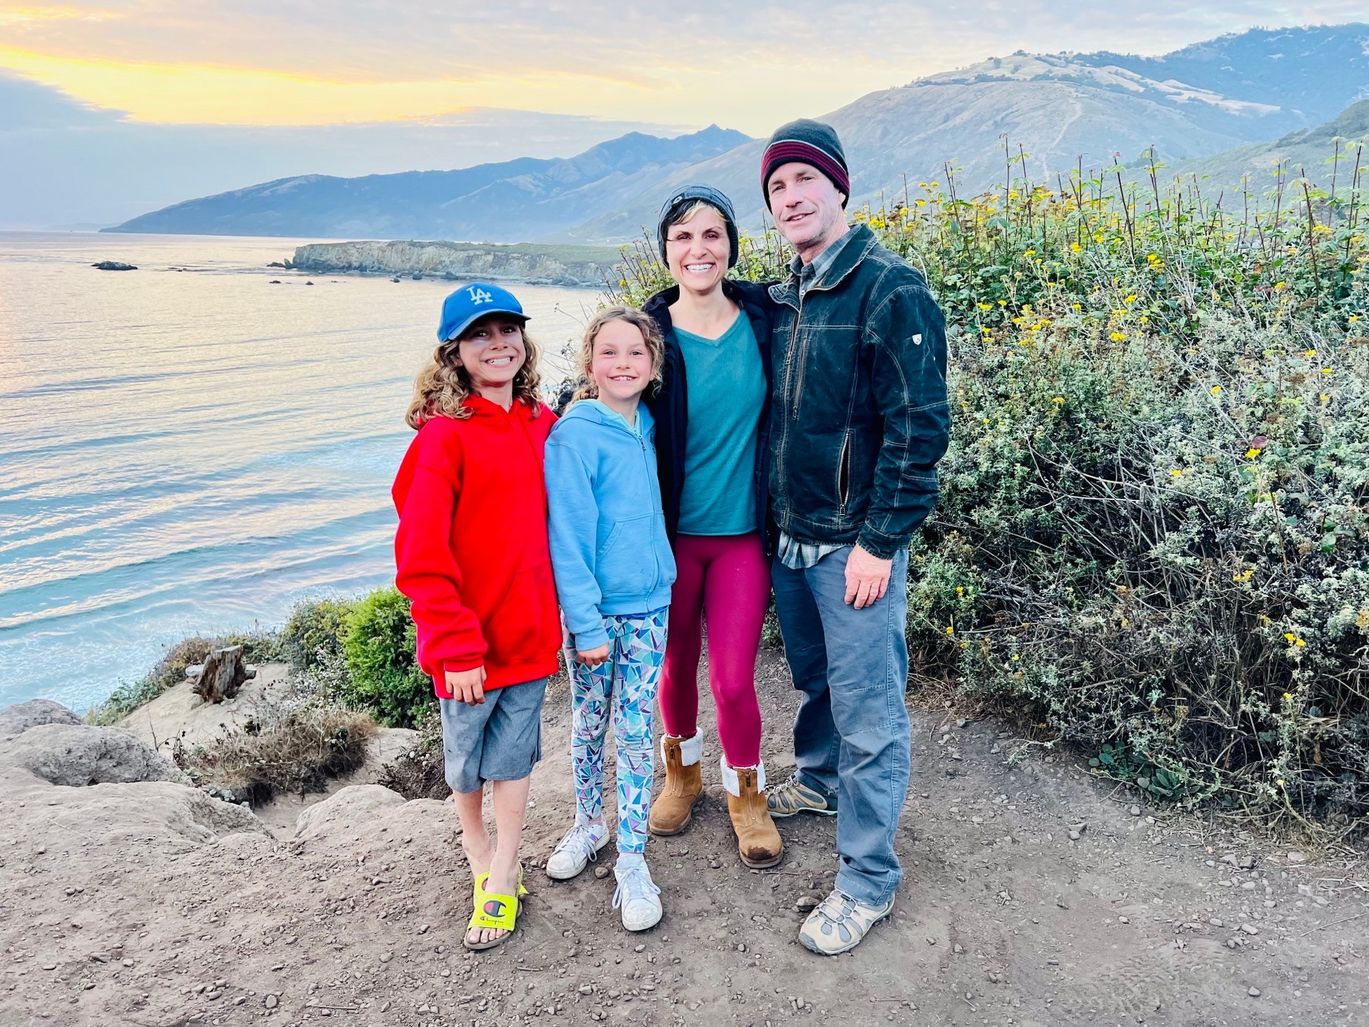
column 572, row 266
column 1309, row 151
column 1059, row 108
column 1210, row 98
column 505, row 202
column 1302, row 71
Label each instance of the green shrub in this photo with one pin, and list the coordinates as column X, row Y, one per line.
column 314, row 632
column 379, row 647
column 1153, row 532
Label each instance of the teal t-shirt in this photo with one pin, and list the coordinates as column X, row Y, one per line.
column 723, row 403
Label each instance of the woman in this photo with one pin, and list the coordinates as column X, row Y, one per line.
column 709, row 414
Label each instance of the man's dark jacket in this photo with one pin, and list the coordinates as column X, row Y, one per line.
column 859, row 415
column 669, row 407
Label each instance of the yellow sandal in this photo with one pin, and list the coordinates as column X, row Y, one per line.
column 493, row 911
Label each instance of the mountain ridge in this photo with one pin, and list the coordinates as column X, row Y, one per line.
column 1060, row 108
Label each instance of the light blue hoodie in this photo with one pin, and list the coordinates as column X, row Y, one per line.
column 609, row 549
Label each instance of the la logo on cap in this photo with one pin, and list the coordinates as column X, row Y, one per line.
column 479, row 295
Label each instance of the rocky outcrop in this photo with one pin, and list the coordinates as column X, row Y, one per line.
column 16, row 719
column 562, row 266
column 114, row 265
column 77, row 755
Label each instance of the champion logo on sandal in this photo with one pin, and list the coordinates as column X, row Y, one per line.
column 494, row 907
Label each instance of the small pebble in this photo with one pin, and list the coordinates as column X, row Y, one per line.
column 1254, row 992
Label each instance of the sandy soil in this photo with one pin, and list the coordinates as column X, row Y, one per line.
column 1034, row 895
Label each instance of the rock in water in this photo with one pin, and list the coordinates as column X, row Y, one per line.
column 114, row 265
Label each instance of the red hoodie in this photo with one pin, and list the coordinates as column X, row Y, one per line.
column 471, row 551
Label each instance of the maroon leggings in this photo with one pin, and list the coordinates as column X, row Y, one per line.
column 722, row 584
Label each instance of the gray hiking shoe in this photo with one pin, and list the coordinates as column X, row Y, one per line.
column 793, row 796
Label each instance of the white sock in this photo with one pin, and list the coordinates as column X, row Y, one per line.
column 628, row 860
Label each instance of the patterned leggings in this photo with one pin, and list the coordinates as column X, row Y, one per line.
column 627, row 680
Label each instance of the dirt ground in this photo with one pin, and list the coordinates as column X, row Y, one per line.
column 1034, row 894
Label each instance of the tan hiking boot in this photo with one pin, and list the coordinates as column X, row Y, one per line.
column 674, row 807
column 758, row 842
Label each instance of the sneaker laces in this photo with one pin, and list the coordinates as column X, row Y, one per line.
column 837, row 906
column 634, row 885
column 580, row 840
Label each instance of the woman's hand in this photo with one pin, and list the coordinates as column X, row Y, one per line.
column 467, row 686
column 592, row 657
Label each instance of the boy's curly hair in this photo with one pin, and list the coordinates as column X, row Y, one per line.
column 443, row 385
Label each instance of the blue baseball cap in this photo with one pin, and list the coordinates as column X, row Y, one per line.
column 468, row 304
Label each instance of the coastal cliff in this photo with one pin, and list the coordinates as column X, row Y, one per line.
column 569, row 266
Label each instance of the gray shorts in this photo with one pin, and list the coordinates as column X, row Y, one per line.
column 497, row 740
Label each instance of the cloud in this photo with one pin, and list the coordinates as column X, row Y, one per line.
column 752, row 65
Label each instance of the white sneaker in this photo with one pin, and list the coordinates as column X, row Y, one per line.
column 637, row 896
column 576, row 850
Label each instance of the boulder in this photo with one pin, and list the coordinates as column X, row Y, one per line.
column 114, row 265
column 353, row 805
column 16, row 719
column 77, row 755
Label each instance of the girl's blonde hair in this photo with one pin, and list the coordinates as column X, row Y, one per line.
column 443, row 385
column 644, row 323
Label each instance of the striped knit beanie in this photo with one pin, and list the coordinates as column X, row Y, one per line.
column 810, row 142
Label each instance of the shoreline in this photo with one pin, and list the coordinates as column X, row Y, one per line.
column 585, row 267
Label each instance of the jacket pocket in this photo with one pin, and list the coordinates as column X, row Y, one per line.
column 844, row 472
column 627, row 562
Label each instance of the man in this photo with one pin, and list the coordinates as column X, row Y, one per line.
column 858, row 421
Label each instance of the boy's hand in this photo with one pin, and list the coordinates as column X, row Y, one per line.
column 592, row 657
column 467, row 686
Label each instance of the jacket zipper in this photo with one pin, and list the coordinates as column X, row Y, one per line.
column 789, row 382
column 844, row 472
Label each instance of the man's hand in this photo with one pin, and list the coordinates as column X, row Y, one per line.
column 867, row 578
column 592, row 657
column 467, row 686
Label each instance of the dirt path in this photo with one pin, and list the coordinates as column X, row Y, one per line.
column 142, row 904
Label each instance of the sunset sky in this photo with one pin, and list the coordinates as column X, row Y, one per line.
column 388, row 86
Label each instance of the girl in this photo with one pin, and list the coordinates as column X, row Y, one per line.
column 471, row 553
column 614, row 570
column 713, row 476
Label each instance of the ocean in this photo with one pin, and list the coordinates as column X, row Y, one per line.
column 189, row 448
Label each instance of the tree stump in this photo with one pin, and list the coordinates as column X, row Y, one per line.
column 222, row 674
